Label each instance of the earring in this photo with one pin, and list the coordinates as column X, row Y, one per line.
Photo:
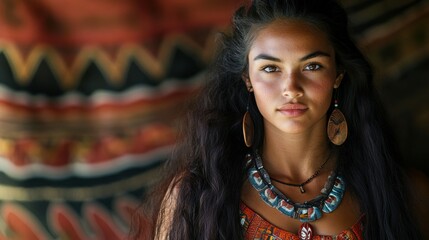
column 247, row 125
column 337, row 126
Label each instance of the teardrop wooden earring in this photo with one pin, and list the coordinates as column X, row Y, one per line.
column 337, row 125
column 247, row 125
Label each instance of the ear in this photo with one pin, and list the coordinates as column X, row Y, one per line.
column 246, row 80
column 339, row 79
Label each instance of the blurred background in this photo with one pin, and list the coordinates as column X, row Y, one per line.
column 91, row 93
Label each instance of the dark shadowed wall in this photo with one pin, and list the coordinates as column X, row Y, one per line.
column 395, row 37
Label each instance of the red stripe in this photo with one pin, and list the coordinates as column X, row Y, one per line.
column 109, row 106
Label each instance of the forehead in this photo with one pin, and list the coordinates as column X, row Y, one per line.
column 290, row 36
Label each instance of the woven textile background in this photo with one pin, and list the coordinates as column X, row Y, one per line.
column 91, row 92
column 90, row 95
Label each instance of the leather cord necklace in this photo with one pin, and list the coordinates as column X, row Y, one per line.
column 301, row 185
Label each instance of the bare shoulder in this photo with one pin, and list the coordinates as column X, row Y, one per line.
column 419, row 186
column 166, row 212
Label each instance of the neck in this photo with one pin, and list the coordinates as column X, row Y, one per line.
column 295, row 157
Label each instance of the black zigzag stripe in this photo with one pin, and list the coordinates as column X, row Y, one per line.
column 181, row 66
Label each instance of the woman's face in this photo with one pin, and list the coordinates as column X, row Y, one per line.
column 292, row 73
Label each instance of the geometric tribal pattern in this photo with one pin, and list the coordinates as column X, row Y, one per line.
column 112, row 68
column 91, row 93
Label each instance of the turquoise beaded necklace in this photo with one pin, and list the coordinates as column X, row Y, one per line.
column 329, row 199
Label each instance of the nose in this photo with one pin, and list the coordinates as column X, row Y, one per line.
column 292, row 86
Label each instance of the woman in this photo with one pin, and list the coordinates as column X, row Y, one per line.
column 311, row 158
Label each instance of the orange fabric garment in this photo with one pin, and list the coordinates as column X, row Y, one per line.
column 257, row 228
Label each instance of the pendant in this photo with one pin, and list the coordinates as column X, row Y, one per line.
column 305, row 232
column 301, row 188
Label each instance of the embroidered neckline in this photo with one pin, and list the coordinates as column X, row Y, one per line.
column 254, row 224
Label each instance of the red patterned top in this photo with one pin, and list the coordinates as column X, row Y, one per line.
column 257, row 228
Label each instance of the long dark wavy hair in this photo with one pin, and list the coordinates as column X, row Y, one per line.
column 207, row 169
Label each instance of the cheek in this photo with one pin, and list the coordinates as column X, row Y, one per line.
column 323, row 94
column 322, row 86
column 264, row 89
column 323, row 90
column 266, row 84
column 266, row 97
column 265, row 92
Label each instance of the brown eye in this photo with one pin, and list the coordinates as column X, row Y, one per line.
column 270, row 69
column 312, row 67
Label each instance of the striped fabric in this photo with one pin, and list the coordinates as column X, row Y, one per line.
column 91, row 93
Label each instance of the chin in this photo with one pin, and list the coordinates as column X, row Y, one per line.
column 293, row 129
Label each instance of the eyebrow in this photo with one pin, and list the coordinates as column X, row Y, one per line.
column 309, row 56
column 266, row 57
column 315, row 54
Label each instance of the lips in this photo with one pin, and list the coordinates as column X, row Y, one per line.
column 293, row 109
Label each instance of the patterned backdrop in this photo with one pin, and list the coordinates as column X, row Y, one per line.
column 91, row 93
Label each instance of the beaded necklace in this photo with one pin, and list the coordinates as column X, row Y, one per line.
column 329, row 199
